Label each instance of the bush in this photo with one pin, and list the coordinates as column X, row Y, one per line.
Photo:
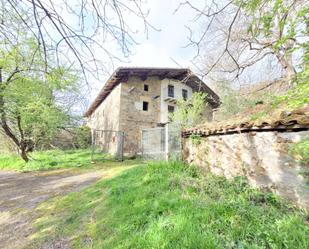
column 190, row 112
column 82, row 137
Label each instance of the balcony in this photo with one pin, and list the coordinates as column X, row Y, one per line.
column 169, row 96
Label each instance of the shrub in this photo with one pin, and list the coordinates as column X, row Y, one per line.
column 190, row 112
column 82, row 137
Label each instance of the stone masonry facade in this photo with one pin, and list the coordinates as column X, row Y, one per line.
column 106, row 118
column 262, row 157
column 134, row 119
column 134, row 99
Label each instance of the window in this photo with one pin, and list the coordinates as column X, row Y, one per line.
column 184, row 94
column 145, row 106
column 171, row 108
column 146, row 87
column 170, row 91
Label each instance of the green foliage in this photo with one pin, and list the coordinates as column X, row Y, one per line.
column 190, row 112
column 267, row 16
column 258, row 115
column 233, row 102
column 301, row 151
column 196, row 139
column 33, row 102
column 172, row 205
column 6, row 145
column 28, row 92
column 82, row 137
column 298, row 96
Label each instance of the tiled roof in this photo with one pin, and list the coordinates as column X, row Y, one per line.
column 295, row 120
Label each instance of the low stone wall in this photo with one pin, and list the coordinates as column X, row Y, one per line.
column 260, row 156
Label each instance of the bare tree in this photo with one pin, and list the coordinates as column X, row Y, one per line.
column 240, row 34
column 78, row 31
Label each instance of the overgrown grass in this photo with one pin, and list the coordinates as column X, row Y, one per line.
column 301, row 151
column 52, row 159
column 171, row 205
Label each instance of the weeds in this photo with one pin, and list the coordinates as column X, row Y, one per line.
column 301, row 151
column 172, row 205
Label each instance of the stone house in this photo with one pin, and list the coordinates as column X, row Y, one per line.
column 133, row 99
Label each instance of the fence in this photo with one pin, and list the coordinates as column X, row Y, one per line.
column 161, row 142
column 107, row 144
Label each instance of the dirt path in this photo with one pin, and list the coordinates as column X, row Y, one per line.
column 21, row 193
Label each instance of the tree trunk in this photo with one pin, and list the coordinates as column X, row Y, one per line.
column 22, row 146
column 286, row 61
column 288, row 66
column 24, row 155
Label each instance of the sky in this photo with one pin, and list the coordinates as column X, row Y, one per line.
column 164, row 47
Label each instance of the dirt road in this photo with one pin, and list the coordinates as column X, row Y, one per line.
column 21, row 193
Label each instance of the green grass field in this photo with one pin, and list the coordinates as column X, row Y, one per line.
column 171, row 205
column 53, row 159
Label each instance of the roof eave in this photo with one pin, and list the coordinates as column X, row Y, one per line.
column 116, row 78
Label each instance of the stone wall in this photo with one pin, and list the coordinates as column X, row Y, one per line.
column 122, row 111
column 260, row 156
column 132, row 118
column 106, row 117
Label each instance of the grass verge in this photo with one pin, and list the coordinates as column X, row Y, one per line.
column 171, row 205
column 54, row 159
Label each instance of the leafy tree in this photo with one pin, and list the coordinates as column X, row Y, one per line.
column 29, row 113
column 190, row 112
column 298, row 96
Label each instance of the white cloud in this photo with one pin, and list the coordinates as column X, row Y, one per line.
column 166, row 45
column 162, row 47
